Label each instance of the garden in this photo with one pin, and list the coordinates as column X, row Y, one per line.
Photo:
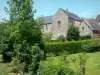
column 26, row 50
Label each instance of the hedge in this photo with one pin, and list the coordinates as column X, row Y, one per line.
column 73, row 46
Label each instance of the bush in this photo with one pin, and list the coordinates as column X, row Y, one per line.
column 61, row 38
column 85, row 37
column 16, row 66
column 73, row 46
column 73, row 33
column 49, row 67
column 46, row 37
column 35, row 60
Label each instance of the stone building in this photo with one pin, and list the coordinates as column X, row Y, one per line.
column 58, row 24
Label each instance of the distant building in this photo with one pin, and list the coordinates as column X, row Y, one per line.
column 58, row 24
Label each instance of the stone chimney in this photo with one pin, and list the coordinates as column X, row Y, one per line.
column 67, row 11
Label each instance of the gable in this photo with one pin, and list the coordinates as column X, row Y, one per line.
column 48, row 19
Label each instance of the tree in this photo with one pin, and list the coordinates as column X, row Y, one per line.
column 22, row 31
column 46, row 37
column 36, row 57
column 73, row 33
column 98, row 18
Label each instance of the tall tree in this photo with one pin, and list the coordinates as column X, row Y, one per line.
column 22, row 30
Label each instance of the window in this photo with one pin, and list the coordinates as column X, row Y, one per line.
column 46, row 27
column 82, row 28
column 59, row 23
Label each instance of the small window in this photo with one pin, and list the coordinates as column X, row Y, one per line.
column 59, row 23
column 46, row 27
column 82, row 28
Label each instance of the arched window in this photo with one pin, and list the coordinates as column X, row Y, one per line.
column 59, row 23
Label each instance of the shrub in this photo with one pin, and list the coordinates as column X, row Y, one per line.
column 61, row 38
column 46, row 37
column 73, row 33
column 16, row 66
column 80, row 63
column 49, row 67
column 73, row 46
column 35, row 60
column 85, row 37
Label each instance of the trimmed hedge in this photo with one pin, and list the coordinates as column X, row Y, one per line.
column 73, row 46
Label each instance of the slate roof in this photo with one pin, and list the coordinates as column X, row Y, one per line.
column 48, row 19
column 93, row 24
column 72, row 15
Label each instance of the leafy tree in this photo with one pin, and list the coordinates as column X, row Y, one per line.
column 73, row 33
column 98, row 18
column 22, row 31
column 2, row 38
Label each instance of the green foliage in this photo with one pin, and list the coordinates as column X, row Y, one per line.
column 61, row 38
column 73, row 46
column 16, row 66
column 48, row 67
column 2, row 37
column 80, row 63
column 22, row 33
column 35, row 60
column 85, row 37
column 73, row 33
column 20, row 9
column 8, row 52
column 46, row 37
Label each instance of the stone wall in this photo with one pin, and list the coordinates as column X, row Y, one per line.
column 60, row 24
column 47, row 28
column 71, row 21
column 85, row 29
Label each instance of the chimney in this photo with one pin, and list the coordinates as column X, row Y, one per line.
column 92, row 17
column 66, row 9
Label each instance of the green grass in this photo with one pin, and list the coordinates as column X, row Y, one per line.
column 4, row 70
column 92, row 65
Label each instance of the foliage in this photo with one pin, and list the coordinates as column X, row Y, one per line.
column 80, row 63
column 49, row 67
column 17, row 66
column 2, row 37
column 46, row 37
column 22, row 33
column 85, row 37
column 73, row 33
column 35, row 59
column 73, row 46
column 61, row 38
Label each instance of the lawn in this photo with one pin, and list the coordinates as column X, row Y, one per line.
column 4, row 70
column 92, row 65
column 92, row 68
